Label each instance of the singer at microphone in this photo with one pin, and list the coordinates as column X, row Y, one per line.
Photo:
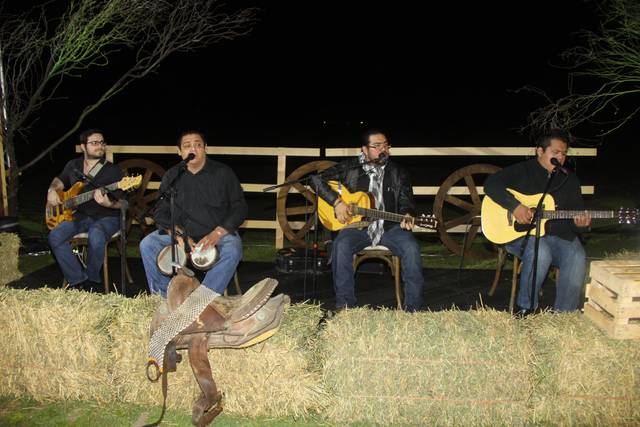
column 555, row 162
column 526, row 190
column 368, row 205
column 201, row 198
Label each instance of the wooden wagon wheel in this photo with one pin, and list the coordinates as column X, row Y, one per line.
column 142, row 199
column 452, row 210
column 286, row 214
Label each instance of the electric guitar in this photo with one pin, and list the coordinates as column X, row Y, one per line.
column 359, row 205
column 500, row 226
column 72, row 198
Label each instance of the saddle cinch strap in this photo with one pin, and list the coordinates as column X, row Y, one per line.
column 226, row 322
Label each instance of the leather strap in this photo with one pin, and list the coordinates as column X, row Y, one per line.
column 173, row 358
column 210, row 320
column 208, row 405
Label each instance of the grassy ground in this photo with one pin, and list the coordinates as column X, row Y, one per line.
column 26, row 412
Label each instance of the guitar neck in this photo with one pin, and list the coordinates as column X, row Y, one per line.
column 85, row 197
column 573, row 214
column 376, row 214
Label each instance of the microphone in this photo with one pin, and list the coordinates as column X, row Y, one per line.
column 555, row 162
column 187, row 159
column 380, row 161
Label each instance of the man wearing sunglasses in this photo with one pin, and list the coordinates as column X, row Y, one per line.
column 373, row 172
column 98, row 215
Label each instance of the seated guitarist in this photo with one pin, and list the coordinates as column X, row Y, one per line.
column 560, row 246
column 391, row 187
column 99, row 217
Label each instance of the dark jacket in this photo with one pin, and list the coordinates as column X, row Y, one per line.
column 530, row 177
column 397, row 190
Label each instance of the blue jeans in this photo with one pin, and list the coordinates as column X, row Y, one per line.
column 400, row 242
column 230, row 253
column 568, row 256
column 100, row 231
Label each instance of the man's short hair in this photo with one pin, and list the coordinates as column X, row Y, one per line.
column 544, row 140
column 191, row 132
column 84, row 136
column 368, row 133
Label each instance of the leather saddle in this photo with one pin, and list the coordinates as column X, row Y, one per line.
column 213, row 321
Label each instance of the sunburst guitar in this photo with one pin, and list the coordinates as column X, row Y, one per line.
column 360, row 205
column 72, row 198
column 500, row 226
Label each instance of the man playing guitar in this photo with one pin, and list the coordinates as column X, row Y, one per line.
column 561, row 244
column 391, row 188
column 99, row 217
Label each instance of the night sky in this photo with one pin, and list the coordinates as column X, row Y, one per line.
column 437, row 73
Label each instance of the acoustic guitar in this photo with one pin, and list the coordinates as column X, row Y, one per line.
column 72, row 198
column 500, row 226
column 360, row 205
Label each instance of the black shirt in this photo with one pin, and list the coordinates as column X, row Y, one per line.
column 109, row 174
column 210, row 198
column 530, row 177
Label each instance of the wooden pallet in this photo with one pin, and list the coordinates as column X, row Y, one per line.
column 613, row 298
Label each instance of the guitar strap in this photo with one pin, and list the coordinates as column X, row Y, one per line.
column 96, row 168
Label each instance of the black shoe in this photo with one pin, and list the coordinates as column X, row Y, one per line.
column 523, row 313
column 89, row 286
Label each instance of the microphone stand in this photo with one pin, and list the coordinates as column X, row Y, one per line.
column 124, row 205
column 171, row 191
column 537, row 220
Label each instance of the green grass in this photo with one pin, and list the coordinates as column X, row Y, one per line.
column 27, row 412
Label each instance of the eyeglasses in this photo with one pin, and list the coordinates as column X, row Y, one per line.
column 96, row 143
column 189, row 146
column 380, row 146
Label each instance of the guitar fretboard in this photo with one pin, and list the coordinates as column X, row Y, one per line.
column 85, row 197
column 374, row 213
column 573, row 214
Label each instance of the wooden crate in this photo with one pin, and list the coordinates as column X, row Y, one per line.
column 613, row 298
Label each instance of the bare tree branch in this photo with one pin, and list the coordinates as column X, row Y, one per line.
column 86, row 37
column 609, row 58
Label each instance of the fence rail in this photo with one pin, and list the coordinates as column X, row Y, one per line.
column 282, row 153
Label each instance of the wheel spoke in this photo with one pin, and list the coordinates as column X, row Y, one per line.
column 300, row 210
column 464, row 219
column 457, row 201
column 473, row 190
column 471, row 235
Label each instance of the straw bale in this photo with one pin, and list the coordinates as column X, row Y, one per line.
column 443, row 368
column 55, row 345
column 583, row 377
column 273, row 378
column 9, row 247
column 624, row 255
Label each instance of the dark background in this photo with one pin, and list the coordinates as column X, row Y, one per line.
column 318, row 73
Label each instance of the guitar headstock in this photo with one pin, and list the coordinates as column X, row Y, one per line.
column 628, row 216
column 130, row 182
column 426, row 221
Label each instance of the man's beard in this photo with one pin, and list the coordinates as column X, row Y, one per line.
column 94, row 157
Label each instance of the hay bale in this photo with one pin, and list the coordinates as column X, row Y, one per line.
column 583, row 377
column 273, row 378
column 9, row 247
column 55, row 345
column 444, row 368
